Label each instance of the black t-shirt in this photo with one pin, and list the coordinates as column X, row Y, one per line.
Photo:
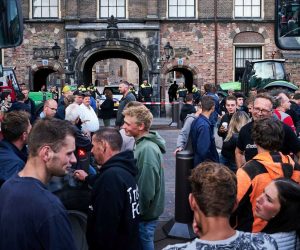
column 291, row 143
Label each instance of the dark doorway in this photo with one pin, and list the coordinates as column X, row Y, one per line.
column 40, row 78
column 103, row 55
column 188, row 77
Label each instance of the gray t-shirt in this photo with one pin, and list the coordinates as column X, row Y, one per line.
column 241, row 240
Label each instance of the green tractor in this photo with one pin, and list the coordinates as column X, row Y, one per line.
column 266, row 74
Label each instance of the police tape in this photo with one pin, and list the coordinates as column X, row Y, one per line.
column 159, row 103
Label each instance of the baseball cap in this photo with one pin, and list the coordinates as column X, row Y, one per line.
column 78, row 92
column 66, row 89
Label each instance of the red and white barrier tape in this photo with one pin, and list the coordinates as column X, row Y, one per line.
column 158, row 103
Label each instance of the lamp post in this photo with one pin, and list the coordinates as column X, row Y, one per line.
column 167, row 55
column 56, row 51
column 168, row 49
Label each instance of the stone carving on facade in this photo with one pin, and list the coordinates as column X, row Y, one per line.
column 112, row 31
column 43, row 53
column 182, row 52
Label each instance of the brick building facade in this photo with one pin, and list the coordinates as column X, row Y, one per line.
column 211, row 39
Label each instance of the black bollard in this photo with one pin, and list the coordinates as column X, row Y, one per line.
column 175, row 113
column 181, row 225
column 179, row 123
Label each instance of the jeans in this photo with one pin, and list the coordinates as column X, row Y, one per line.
column 147, row 229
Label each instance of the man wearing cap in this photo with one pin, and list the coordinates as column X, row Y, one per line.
column 127, row 97
column 145, row 92
column 66, row 91
column 78, row 97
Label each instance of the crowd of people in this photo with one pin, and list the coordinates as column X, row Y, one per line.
column 261, row 148
column 121, row 190
column 244, row 196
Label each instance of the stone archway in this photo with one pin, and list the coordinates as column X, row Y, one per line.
column 40, row 72
column 105, row 49
column 190, row 72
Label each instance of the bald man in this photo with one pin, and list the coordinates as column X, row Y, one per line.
column 50, row 108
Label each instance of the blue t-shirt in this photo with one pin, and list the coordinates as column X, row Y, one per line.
column 32, row 218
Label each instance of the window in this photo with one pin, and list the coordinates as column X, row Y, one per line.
column 247, row 8
column 45, row 8
column 112, row 7
column 181, row 8
column 241, row 55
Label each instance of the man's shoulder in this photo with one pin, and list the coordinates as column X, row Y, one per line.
column 130, row 97
column 8, row 151
column 31, row 189
column 200, row 121
column 240, row 240
column 257, row 241
column 287, row 128
column 247, row 128
column 146, row 146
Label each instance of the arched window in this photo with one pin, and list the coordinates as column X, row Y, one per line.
column 248, row 46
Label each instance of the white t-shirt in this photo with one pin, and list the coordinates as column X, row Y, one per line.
column 239, row 241
column 89, row 119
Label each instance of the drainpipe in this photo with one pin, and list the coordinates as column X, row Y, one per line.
column 216, row 40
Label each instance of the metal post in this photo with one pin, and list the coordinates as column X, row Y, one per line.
column 181, row 225
column 175, row 115
column 179, row 123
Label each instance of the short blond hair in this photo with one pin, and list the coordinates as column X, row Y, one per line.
column 141, row 113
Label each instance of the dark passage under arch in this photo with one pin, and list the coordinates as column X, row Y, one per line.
column 188, row 76
column 40, row 78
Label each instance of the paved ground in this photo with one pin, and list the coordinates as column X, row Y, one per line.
column 169, row 133
column 161, row 239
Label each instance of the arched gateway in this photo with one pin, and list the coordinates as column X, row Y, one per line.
column 105, row 49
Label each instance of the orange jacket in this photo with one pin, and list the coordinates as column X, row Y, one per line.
column 252, row 179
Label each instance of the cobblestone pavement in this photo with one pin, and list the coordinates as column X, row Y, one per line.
column 170, row 135
column 169, row 164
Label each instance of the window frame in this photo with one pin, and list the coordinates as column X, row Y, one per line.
column 58, row 16
column 251, row 8
column 185, row 5
column 246, row 46
column 116, row 6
